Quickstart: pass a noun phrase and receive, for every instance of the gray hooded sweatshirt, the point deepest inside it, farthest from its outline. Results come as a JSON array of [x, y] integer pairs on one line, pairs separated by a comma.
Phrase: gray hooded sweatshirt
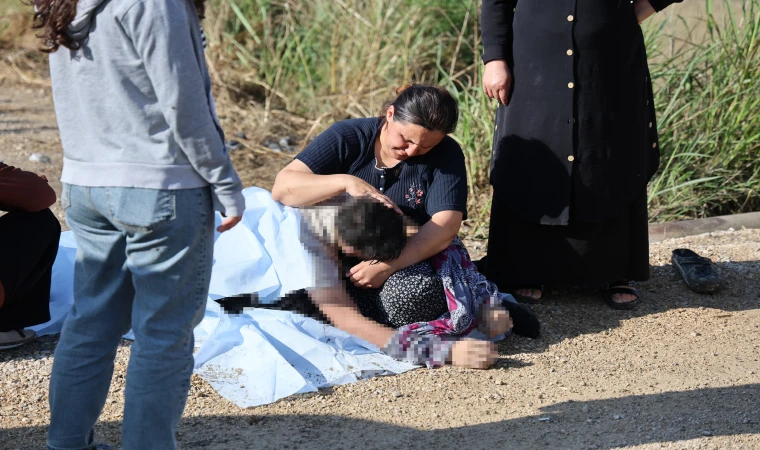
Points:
[[134, 103]]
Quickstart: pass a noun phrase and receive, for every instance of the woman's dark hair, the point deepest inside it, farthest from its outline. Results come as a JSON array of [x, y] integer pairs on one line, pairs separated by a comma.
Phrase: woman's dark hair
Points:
[[53, 17], [429, 106], [371, 228]]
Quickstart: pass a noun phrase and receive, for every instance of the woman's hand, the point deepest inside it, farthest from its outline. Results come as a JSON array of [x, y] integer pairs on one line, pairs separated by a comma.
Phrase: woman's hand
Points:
[[497, 80], [643, 10], [368, 275], [474, 354], [356, 187]]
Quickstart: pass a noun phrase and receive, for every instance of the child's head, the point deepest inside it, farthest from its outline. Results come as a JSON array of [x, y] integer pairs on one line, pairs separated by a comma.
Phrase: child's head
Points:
[[370, 230]]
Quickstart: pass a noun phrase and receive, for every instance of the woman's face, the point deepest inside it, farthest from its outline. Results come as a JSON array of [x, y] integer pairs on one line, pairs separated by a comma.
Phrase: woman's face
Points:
[[402, 141]]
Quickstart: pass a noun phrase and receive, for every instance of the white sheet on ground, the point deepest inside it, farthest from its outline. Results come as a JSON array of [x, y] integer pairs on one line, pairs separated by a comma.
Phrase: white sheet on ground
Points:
[[259, 356]]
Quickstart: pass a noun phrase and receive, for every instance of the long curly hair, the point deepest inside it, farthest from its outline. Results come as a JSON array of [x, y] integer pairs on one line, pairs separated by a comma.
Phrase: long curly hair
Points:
[[53, 17]]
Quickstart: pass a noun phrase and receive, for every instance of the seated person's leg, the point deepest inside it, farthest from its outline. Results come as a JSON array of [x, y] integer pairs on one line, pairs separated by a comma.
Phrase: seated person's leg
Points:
[[413, 294], [28, 247], [416, 294]]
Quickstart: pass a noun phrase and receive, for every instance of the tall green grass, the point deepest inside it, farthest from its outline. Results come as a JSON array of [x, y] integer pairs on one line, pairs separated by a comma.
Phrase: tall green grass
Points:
[[343, 58], [336, 56], [708, 103]]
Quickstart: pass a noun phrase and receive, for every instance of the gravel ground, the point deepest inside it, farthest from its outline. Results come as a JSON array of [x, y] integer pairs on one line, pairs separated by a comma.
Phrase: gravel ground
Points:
[[682, 372]]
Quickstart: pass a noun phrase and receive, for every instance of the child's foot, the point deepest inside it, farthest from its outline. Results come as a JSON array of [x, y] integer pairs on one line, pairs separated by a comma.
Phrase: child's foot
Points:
[[528, 293]]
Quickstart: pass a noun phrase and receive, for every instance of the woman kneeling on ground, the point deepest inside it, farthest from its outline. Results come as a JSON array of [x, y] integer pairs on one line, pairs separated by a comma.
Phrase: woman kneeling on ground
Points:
[[406, 161]]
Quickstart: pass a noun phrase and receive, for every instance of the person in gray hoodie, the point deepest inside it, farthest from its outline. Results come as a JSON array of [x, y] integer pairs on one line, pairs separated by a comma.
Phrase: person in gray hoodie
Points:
[[144, 168]]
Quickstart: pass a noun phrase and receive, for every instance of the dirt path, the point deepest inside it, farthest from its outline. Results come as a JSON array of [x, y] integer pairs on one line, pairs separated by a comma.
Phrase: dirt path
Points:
[[681, 372]]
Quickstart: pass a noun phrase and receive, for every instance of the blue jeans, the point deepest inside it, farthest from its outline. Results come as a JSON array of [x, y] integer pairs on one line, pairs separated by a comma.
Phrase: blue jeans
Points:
[[143, 261]]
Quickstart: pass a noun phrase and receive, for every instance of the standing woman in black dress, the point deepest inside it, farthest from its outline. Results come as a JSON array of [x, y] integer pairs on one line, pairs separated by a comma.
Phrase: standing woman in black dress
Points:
[[575, 144]]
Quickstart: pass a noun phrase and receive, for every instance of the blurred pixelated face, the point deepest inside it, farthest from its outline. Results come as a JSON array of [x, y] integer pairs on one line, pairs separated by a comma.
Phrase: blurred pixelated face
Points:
[[402, 140], [350, 251]]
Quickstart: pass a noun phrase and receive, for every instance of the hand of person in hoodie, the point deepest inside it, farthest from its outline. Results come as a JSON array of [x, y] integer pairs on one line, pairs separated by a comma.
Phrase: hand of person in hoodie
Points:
[[228, 223]]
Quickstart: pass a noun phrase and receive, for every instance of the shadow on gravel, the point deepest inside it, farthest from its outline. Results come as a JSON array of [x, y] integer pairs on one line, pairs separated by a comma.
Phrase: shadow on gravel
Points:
[[603, 424], [565, 315]]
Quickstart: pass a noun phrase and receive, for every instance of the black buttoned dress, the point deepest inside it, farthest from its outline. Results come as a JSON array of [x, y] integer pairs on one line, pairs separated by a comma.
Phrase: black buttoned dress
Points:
[[576, 145]]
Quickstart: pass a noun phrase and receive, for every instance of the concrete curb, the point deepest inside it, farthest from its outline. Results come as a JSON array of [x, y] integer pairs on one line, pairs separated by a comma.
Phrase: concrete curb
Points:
[[669, 230]]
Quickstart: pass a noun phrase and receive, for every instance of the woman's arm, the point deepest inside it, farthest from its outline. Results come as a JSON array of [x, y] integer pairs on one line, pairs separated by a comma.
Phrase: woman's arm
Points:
[[496, 22], [296, 185], [434, 237], [496, 28]]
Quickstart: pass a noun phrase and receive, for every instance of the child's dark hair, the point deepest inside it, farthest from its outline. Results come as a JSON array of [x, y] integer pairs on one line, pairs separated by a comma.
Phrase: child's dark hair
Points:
[[429, 106], [375, 231]]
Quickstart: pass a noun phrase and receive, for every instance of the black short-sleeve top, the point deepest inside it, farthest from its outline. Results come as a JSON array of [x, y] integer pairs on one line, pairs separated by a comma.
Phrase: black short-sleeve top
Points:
[[421, 185]]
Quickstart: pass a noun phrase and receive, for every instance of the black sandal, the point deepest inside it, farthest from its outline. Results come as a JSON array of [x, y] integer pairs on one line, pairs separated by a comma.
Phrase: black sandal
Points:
[[526, 298], [617, 288]]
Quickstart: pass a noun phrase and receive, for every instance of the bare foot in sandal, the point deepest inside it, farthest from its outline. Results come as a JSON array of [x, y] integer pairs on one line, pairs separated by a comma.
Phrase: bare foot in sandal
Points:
[[623, 298], [535, 294], [623, 295], [528, 293]]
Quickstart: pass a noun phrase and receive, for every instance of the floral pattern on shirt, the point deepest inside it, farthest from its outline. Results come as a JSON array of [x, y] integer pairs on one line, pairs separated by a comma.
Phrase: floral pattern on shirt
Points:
[[414, 196]]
